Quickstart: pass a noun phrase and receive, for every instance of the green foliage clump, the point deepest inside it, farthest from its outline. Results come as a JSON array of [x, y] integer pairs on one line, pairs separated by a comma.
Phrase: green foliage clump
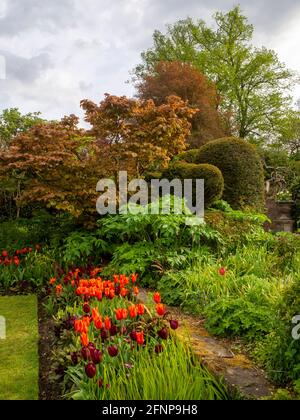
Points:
[[280, 351], [241, 168], [212, 176]]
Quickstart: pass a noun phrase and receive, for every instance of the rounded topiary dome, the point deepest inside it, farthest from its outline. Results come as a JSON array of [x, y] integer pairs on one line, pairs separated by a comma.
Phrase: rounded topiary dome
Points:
[[213, 179], [241, 168]]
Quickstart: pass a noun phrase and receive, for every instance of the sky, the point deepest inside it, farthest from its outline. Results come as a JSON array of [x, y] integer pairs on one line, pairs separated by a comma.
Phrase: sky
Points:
[[53, 53]]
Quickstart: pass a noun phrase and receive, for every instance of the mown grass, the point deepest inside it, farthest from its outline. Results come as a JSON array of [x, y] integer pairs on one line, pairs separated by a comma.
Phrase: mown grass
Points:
[[19, 351]]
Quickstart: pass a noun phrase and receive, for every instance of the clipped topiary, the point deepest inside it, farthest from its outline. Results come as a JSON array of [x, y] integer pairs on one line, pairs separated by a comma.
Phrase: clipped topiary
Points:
[[241, 167], [213, 179]]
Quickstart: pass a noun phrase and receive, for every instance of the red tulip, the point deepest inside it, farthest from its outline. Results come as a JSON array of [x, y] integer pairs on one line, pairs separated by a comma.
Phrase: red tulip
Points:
[[222, 271], [4, 253], [156, 297], [140, 338]]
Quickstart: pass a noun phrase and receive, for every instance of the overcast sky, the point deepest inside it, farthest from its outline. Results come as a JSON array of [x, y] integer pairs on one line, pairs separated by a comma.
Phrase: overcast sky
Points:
[[58, 52]]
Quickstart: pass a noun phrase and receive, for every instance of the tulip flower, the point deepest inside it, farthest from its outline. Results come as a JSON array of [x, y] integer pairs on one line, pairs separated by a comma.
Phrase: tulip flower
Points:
[[96, 356], [74, 358], [107, 323], [59, 289], [140, 309], [140, 337], [4, 253], [158, 348], [113, 330], [160, 309], [98, 323], [136, 290], [85, 353], [86, 308], [174, 324], [90, 370], [222, 271], [113, 351], [134, 278], [84, 339], [132, 311], [133, 335], [156, 297], [163, 333]]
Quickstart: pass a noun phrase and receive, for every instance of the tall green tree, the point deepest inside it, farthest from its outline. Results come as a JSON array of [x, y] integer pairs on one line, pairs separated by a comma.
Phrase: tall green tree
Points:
[[253, 84]]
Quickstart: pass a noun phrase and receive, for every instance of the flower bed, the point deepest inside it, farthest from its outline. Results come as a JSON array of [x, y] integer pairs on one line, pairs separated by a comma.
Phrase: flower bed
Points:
[[111, 346]]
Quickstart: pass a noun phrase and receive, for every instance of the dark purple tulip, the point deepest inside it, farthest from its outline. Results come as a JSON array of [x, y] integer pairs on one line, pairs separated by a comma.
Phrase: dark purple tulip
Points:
[[86, 308], [85, 352], [113, 330], [96, 356], [159, 348], [90, 370], [163, 333], [113, 351], [133, 335], [104, 334], [74, 358], [123, 330], [174, 324], [100, 383]]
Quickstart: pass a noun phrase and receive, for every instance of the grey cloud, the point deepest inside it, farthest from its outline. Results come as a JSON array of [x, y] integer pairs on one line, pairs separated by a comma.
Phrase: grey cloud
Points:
[[45, 15], [26, 70]]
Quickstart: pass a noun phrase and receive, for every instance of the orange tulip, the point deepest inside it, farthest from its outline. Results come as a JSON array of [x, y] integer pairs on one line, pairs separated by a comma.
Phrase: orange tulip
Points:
[[52, 280], [107, 323], [123, 292], [59, 289], [140, 309], [84, 339], [136, 290], [119, 314], [134, 278], [160, 309], [132, 311], [98, 323]]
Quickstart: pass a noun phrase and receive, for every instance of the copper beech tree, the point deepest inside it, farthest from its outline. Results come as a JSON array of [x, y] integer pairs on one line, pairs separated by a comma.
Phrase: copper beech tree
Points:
[[184, 80], [139, 135], [58, 165]]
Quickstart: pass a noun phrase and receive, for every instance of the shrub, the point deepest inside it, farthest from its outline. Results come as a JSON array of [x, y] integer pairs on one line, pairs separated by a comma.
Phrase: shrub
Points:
[[213, 178], [241, 167], [280, 352]]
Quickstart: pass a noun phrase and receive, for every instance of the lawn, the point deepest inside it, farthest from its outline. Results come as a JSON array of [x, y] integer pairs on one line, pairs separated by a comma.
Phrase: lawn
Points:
[[19, 351]]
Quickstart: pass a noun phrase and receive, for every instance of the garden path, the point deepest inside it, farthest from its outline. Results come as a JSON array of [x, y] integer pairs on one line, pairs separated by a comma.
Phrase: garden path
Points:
[[222, 357]]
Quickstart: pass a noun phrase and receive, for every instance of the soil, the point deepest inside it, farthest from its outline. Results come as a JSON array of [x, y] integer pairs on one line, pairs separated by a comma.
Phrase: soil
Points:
[[48, 390]]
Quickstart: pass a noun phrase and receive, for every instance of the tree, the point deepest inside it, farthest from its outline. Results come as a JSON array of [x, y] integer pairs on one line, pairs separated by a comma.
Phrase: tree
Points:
[[138, 135], [252, 82], [289, 138], [184, 80], [53, 164], [12, 122]]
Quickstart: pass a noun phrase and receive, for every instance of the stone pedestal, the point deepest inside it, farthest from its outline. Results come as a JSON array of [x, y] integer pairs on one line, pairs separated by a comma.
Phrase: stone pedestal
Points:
[[281, 215]]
